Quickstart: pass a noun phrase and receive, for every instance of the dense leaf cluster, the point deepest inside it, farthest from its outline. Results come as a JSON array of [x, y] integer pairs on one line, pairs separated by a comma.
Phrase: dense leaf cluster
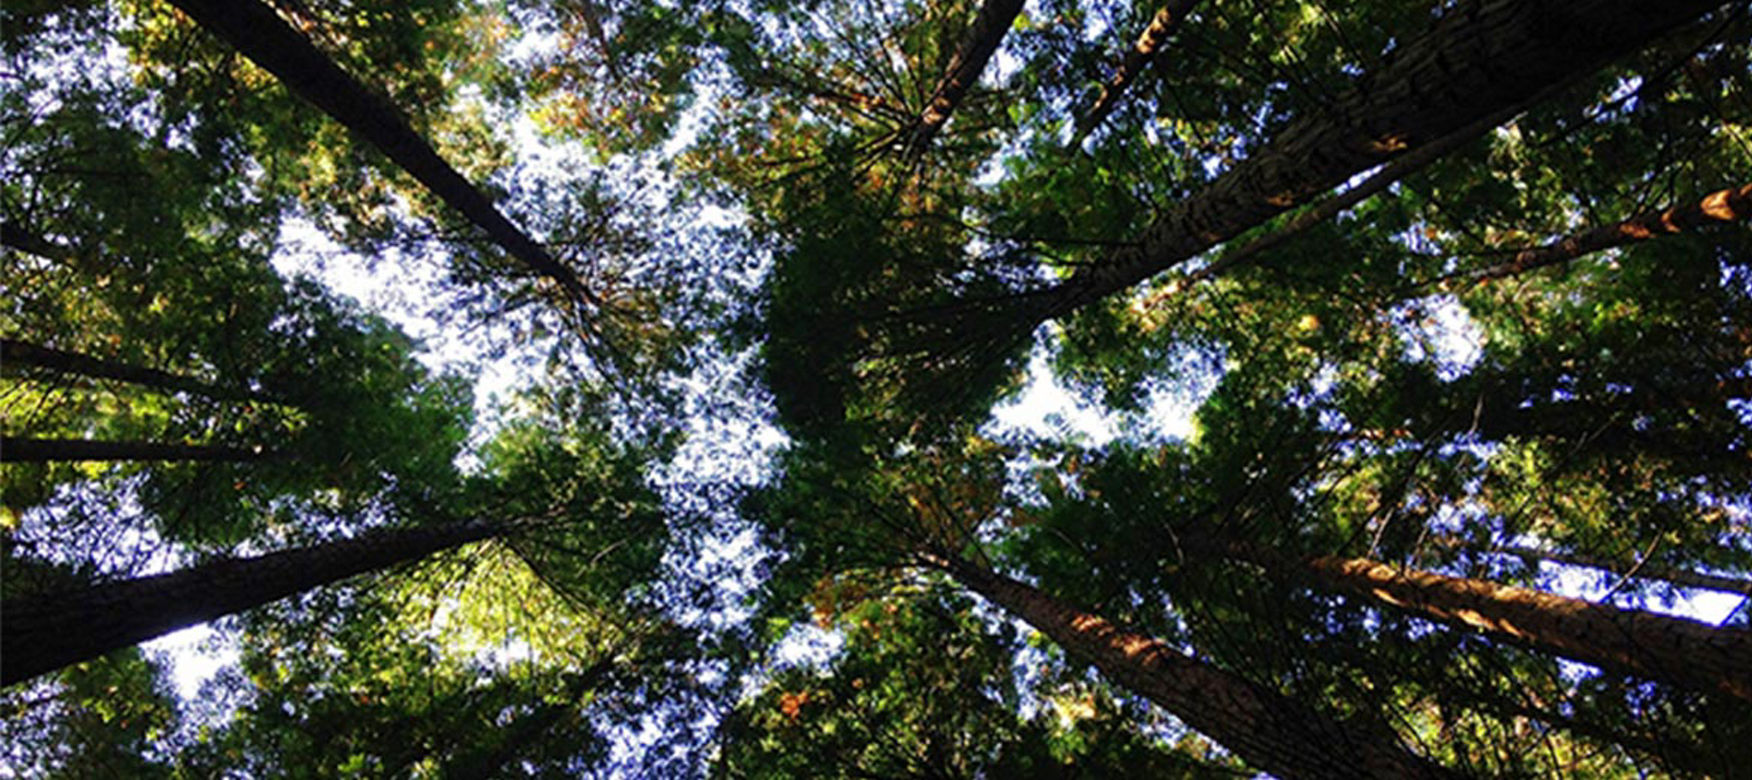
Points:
[[1406, 350]]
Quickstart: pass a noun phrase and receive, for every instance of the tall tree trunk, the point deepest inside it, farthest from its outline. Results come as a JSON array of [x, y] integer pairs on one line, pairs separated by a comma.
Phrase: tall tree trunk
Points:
[[1479, 58], [1676, 650], [1733, 204], [22, 450], [982, 41], [1271, 732], [1388, 175], [1606, 425], [1685, 577], [257, 32], [19, 353], [1162, 26], [42, 634]]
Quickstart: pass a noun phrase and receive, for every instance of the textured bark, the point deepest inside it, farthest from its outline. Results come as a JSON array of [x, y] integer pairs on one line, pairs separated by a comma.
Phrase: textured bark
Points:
[[1685, 577], [1479, 58], [260, 34], [19, 353], [1387, 176], [42, 634], [1721, 207], [23, 450], [1676, 650], [1268, 730], [1162, 26], [982, 41]]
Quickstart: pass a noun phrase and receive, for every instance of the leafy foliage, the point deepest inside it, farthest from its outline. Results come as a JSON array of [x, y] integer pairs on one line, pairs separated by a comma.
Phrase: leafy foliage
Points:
[[1419, 366]]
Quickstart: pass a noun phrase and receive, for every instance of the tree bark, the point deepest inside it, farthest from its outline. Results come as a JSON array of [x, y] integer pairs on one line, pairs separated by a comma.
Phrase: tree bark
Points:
[[14, 353], [42, 634], [1271, 732], [1675, 650], [1479, 58], [23, 450], [969, 61], [1733, 204], [1162, 26], [1389, 174], [257, 32]]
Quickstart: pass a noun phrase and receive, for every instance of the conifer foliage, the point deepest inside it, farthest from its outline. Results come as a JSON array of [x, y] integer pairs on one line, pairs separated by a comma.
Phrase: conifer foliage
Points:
[[1403, 354]]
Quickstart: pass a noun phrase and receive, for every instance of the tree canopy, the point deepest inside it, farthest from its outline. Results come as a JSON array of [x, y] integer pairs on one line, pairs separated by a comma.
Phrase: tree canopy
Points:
[[934, 389]]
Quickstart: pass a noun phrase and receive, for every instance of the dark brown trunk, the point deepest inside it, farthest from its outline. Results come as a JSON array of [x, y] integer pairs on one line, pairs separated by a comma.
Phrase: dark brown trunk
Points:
[[1733, 204], [1142, 53], [21, 450], [1387, 176], [18, 353], [1270, 731], [1480, 58], [260, 34], [1606, 426], [982, 41], [1676, 650], [42, 634]]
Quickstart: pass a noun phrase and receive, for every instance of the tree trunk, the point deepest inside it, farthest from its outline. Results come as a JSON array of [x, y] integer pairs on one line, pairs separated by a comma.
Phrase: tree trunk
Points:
[[260, 34], [16, 353], [1479, 58], [1161, 27], [42, 634], [21, 450], [1733, 204], [1270, 731], [1685, 577], [1606, 426], [1676, 650], [982, 41], [1388, 175]]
